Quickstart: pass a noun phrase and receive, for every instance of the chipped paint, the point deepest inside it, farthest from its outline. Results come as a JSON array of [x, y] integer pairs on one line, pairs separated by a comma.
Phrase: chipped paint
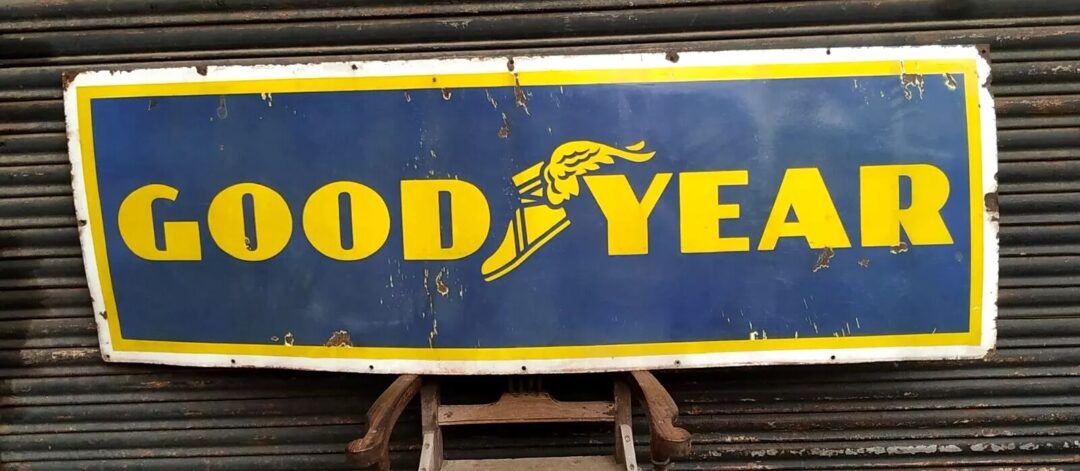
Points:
[[340, 338], [950, 81], [223, 108], [440, 285], [504, 131], [992, 207], [823, 259], [911, 81]]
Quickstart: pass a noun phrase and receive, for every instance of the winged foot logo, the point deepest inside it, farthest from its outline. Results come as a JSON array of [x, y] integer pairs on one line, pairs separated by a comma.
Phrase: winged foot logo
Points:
[[542, 190]]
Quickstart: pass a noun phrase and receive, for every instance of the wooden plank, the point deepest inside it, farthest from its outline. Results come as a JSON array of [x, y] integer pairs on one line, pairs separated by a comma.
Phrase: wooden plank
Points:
[[522, 407]]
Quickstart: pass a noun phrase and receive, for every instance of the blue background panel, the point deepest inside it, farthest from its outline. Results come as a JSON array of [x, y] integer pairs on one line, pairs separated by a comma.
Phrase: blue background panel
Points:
[[570, 292]]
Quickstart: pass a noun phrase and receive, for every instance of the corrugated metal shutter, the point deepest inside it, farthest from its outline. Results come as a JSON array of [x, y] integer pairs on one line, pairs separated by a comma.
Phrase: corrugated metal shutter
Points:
[[61, 407]]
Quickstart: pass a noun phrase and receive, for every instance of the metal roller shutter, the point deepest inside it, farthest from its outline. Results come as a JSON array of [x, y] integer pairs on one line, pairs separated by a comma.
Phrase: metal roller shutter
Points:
[[61, 407]]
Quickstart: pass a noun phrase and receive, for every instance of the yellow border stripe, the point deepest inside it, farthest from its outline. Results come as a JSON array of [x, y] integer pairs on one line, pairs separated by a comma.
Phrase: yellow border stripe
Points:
[[965, 68]]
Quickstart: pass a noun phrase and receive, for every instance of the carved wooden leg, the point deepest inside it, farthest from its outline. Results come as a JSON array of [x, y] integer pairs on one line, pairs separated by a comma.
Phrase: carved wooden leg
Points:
[[667, 441], [374, 448]]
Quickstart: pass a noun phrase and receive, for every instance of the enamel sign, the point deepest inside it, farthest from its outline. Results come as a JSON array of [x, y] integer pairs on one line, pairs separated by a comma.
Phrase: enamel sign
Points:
[[542, 214]]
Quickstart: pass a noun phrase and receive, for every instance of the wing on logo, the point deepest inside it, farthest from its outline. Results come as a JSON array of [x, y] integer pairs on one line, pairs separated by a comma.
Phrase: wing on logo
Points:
[[542, 190]]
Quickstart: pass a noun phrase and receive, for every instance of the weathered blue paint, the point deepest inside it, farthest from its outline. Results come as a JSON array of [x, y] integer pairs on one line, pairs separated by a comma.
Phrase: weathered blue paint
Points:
[[570, 292]]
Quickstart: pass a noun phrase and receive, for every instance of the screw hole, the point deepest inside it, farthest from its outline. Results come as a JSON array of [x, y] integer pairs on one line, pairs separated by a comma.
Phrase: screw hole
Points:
[[523, 368], [832, 357]]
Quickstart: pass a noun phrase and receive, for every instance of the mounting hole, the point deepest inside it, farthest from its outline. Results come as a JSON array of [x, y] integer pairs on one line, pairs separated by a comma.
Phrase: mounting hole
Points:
[[233, 361], [371, 367], [678, 362], [523, 368], [832, 357]]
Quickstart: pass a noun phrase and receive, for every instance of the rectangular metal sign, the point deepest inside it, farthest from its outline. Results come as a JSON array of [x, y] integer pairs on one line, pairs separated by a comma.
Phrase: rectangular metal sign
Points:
[[542, 214]]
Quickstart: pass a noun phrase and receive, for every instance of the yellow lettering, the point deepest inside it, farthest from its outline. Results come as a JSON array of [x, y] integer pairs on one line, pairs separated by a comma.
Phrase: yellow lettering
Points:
[[272, 222], [136, 223], [700, 211], [627, 218], [882, 215], [370, 220], [421, 225], [803, 191]]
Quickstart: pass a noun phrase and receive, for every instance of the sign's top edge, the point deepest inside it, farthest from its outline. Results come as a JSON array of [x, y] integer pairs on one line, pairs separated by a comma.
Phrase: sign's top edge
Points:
[[520, 64]]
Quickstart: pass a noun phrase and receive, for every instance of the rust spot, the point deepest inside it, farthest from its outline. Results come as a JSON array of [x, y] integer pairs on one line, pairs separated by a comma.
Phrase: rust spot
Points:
[[340, 338], [289, 339], [823, 259], [201, 70], [82, 222], [992, 207], [510, 64], [354, 67], [66, 78], [441, 285], [446, 94], [504, 131], [103, 314], [672, 56], [899, 248], [520, 99], [864, 262]]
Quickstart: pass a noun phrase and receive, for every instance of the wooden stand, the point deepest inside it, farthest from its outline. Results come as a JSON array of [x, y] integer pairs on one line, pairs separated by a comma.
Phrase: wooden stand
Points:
[[667, 441]]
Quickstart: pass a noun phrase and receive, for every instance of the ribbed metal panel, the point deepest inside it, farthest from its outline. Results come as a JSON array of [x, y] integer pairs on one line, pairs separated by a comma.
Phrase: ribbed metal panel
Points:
[[62, 408]]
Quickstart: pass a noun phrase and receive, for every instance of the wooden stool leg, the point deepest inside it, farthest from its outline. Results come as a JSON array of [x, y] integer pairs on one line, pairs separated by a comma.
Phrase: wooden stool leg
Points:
[[623, 449], [431, 455], [374, 448], [666, 440]]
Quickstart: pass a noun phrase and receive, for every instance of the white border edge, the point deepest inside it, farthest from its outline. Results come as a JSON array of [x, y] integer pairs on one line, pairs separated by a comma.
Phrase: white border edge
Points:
[[82, 214]]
